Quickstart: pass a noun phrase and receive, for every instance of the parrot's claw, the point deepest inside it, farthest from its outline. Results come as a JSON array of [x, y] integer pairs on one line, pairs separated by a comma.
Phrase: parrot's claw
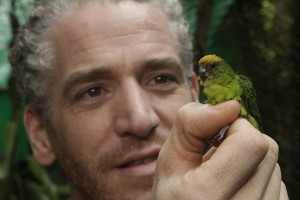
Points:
[[216, 140]]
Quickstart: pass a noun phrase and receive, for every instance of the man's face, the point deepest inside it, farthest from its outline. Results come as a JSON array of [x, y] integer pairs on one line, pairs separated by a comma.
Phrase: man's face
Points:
[[117, 87]]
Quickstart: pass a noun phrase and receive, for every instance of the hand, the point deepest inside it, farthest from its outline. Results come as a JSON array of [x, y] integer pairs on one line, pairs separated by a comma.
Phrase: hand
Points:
[[243, 166]]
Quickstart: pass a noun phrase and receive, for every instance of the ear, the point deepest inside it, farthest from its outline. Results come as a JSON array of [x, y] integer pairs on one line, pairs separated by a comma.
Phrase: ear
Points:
[[195, 88], [38, 137]]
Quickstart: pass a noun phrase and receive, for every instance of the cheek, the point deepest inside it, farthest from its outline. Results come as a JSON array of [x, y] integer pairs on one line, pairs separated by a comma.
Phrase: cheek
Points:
[[167, 108], [82, 134]]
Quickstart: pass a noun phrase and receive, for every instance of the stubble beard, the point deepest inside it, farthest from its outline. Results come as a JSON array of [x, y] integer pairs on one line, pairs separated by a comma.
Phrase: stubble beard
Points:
[[94, 183]]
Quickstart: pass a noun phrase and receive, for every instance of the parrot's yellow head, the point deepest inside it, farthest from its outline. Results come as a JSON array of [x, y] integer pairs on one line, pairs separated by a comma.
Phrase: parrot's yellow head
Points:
[[207, 65]]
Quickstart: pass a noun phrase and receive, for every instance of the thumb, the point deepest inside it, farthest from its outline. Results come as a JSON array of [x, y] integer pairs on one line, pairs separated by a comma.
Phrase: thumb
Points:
[[195, 123]]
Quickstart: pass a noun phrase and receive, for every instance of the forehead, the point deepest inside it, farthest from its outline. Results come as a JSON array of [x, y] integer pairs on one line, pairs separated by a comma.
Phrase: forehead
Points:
[[111, 20], [106, 27]]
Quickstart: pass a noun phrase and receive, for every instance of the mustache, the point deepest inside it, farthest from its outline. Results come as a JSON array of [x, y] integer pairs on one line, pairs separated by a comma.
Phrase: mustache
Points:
[[129, 145]]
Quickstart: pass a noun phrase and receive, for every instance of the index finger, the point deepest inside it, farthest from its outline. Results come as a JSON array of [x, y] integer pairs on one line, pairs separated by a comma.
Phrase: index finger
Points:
[[236, 159]]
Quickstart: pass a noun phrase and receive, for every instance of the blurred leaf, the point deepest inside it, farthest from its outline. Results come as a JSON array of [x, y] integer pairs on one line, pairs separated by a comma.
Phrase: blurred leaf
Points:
[[219, 12], [10, 134], [22, 9], [190, 9], [5, 38], [42, 176], [5, 26], [36, 191]]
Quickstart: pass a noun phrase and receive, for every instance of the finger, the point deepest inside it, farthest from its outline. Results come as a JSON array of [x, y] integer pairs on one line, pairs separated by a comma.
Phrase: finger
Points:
[[283, 192], [265, 182], [194, 124], [182, 150], [274, 185], [273, 188], [235, 160], [209, 154]]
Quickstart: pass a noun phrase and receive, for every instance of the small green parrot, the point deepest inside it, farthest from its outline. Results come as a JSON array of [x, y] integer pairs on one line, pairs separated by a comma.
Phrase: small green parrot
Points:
[[220, 83]]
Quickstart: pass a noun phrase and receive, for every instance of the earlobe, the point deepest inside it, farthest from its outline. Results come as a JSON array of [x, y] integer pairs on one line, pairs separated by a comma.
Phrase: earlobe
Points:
[[195, 88], [38, 137]]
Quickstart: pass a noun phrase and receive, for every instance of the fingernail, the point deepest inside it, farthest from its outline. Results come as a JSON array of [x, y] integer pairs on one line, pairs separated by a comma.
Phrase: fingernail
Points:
[[223, 105]]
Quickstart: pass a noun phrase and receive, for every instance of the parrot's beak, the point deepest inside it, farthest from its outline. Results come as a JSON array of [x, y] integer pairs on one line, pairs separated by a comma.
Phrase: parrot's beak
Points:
[[202, 73]]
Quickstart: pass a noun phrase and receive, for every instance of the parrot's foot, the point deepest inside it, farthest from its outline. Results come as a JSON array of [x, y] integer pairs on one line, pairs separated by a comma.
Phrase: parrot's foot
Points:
[[216, 140]]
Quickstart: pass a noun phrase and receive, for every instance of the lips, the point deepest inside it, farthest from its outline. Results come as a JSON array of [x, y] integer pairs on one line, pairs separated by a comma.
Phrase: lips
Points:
[[139, 164]]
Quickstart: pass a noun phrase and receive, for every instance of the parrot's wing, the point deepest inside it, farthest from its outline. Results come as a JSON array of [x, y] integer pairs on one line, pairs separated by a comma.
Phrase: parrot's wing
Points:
[[248, 98]]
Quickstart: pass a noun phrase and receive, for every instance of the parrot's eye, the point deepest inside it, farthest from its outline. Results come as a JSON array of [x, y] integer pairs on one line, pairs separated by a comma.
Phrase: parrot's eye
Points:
[[212, 65]]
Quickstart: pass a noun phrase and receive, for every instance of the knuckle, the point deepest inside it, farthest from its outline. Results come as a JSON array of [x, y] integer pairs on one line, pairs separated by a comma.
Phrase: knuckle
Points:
[[187, 114], [273, 147], [262, 147], [184, 112], [277, 171], [255, 142]]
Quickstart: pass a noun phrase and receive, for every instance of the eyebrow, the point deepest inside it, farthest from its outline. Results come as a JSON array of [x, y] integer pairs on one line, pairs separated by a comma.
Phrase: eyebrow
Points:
[[164, 63], [81, 77]]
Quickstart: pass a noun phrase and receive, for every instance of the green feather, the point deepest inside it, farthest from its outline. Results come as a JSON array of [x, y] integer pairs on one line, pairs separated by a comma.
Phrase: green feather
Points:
[[220, 83]]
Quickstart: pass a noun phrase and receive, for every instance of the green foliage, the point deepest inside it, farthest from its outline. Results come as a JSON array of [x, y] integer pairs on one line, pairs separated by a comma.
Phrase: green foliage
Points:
[[7, 159], [25, 178], [190, 9], [261, 39], [12, 13], [219, 12], [5, 37]]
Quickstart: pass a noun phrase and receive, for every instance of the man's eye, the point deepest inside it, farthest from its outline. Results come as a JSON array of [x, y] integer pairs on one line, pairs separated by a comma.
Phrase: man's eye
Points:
[[94, 92], [161, 79], [89, 93]]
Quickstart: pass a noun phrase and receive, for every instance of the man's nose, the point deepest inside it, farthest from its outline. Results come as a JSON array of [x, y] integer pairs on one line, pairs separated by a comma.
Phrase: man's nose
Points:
[[136, 113]]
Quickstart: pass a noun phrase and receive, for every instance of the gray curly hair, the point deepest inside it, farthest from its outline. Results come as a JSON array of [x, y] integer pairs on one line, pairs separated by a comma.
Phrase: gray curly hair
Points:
[[31, 55]]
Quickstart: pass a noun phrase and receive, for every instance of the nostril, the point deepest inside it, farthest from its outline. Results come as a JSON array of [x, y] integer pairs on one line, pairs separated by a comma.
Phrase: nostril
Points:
[[139, 123], [138, 131], [136, 112]]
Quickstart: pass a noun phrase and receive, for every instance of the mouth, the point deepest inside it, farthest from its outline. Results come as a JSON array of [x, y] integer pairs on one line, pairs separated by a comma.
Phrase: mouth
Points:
[[139, 165], [139, 162]]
